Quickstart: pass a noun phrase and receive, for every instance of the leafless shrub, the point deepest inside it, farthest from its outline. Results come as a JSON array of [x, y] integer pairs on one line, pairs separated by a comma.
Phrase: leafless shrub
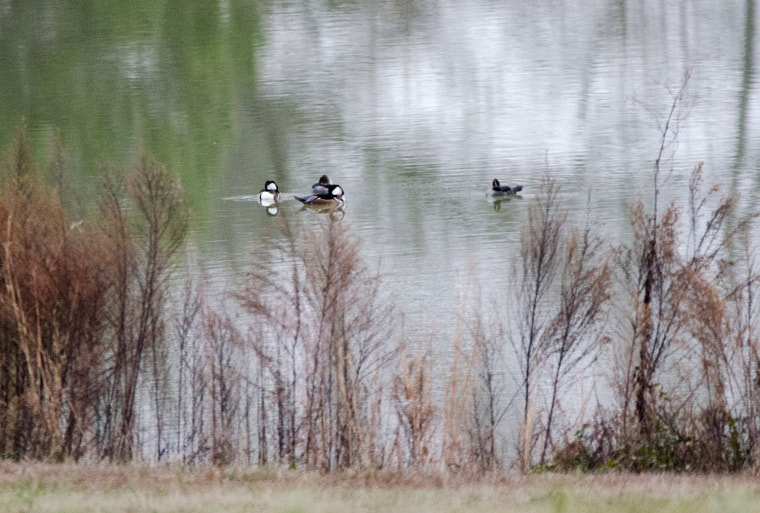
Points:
[[686, 315], [540, 256], [224, 383], [52, 291], [456, 410], [564, 290], [475, 402], [141, 249], [189, 375], [321, 322], [412, 397], [677, 303], [741, 364], [487, 404], [574, 332], [277, 300], [688, 319]]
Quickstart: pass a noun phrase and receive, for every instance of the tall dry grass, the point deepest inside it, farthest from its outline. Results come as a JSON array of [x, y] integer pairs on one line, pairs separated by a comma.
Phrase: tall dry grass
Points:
[[141, 245], [685, 310], [321, 334], [562, 300], [53, 290], [303, 365], [81, 307]]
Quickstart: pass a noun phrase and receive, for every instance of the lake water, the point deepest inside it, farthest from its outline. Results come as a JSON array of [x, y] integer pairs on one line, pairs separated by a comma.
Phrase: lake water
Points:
[[412, 106]]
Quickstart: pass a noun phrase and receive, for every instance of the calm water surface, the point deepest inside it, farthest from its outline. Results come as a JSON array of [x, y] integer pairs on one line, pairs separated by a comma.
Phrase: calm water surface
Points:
[[412, 106]]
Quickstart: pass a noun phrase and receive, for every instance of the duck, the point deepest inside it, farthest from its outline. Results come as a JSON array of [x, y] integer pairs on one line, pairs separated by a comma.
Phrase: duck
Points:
[[333, 198], [322, 186], [270, 194], [503, 190]]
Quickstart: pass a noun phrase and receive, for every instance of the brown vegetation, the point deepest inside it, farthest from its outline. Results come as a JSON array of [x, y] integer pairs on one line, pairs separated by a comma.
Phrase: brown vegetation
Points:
[[303, 366], [82, 307], [321, 337], [686, 312]]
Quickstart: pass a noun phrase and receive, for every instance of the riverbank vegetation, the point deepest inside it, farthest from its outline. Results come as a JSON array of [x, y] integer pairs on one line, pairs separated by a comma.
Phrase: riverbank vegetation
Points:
[[106, 356]]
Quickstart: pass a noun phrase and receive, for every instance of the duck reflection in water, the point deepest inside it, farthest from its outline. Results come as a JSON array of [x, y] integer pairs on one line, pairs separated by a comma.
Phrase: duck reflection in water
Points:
[[497, 203]]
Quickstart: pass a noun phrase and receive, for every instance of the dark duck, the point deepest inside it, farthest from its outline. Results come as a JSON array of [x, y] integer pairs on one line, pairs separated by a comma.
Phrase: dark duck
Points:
[[333, 197], [498, 190]]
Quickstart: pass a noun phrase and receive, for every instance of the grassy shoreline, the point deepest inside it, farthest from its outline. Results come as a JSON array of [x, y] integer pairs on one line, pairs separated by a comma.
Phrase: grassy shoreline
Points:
[[26, 487]]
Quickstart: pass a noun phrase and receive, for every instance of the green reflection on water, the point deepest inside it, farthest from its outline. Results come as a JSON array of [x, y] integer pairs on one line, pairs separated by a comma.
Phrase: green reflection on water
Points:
[[166, 76]]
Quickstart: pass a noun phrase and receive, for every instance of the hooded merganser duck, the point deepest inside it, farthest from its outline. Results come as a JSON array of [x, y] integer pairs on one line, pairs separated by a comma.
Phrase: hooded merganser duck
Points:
[[270, 194], [333, 198], [503, 190], [322, 186]]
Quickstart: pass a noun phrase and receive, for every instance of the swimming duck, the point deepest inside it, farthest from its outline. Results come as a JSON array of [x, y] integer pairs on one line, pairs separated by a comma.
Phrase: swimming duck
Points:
[[503, 190], [270, 194], [332, 198], [322, 186]]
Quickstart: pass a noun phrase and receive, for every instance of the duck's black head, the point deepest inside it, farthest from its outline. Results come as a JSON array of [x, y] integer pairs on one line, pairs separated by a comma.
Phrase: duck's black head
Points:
[[324, 180], [495, 184], [270, 186]]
